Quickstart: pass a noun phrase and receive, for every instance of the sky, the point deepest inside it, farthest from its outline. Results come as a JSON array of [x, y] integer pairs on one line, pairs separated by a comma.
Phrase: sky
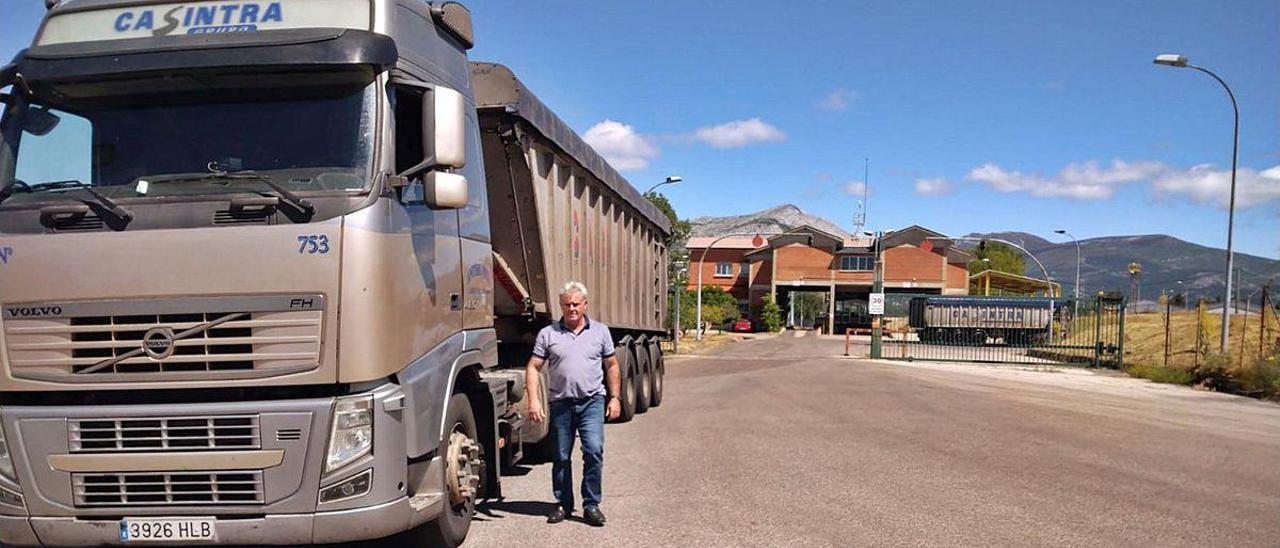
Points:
[[967, 116]]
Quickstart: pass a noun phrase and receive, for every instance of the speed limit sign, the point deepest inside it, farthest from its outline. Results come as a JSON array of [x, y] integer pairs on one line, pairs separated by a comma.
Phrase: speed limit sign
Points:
[[876, 304]]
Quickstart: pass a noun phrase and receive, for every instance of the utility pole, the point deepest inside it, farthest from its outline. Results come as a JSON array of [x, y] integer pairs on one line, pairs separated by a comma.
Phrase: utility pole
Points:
[[877, 286]]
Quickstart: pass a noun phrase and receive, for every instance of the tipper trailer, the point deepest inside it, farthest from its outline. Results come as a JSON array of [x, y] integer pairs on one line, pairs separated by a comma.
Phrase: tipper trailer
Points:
[[270, 272]]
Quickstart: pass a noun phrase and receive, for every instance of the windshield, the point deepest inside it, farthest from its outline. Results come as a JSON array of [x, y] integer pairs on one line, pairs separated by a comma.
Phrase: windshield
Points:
[[307, 132]]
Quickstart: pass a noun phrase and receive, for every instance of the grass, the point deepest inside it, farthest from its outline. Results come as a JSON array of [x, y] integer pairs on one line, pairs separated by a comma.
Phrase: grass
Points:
[[1161, 374], [1250, 372]]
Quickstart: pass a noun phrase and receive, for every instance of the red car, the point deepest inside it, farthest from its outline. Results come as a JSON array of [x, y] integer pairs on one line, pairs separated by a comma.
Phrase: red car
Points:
[[743, 325]]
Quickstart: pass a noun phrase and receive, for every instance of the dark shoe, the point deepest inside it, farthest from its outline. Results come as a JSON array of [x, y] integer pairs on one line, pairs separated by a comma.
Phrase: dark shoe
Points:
[[556, 516], [593, 516]]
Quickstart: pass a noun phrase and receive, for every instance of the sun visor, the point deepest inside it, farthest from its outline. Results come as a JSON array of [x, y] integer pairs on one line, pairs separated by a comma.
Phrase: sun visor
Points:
[[309, 47], [92, 23]]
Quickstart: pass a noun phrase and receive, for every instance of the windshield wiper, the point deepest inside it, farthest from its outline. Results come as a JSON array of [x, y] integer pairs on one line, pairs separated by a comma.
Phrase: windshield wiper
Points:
[[292, 199], [107, 204]]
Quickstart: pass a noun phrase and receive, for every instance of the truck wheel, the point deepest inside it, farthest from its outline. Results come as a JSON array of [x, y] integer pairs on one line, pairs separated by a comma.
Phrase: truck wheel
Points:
[[655, 377], [463, 469], [644, 372], [626, 362]]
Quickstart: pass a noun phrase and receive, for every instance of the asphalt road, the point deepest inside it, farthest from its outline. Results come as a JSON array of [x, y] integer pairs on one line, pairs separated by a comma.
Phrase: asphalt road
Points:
[[781, 442]]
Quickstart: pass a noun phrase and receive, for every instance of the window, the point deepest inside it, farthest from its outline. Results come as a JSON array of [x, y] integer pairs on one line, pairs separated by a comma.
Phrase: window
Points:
[[724, 270], [409, 151], [857, 263], [746, 270]]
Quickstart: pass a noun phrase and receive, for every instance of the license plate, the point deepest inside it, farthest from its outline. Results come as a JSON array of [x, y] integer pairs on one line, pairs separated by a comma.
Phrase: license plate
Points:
[[168, 529]]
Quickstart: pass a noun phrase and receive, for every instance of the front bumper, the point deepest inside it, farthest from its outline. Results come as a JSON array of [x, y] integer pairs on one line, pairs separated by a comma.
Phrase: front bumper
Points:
[[282, 529], [288, 512]]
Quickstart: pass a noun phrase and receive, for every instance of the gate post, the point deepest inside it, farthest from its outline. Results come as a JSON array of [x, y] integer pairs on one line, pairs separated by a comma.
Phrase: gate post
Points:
[[1120, 354], [1097, 331]]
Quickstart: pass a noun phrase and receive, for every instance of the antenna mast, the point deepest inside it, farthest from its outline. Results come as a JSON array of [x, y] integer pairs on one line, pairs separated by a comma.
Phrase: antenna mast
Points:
[[860, 217]]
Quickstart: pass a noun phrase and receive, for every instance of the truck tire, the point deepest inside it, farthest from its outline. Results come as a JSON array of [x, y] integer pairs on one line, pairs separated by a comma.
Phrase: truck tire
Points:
[[644, 372], [626, 365], [451, 528], [655, 377]]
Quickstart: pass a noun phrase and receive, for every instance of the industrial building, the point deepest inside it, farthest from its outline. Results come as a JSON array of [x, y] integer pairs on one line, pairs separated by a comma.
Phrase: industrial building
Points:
[[805, 259]]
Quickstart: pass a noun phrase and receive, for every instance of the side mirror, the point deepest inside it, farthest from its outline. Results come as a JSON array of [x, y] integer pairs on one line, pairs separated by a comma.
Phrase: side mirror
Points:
[[445, 190], [39, 121], [444, 128]]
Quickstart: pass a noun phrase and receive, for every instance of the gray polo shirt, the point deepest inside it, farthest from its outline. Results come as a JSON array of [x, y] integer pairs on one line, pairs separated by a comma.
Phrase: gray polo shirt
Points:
[[574, 361]]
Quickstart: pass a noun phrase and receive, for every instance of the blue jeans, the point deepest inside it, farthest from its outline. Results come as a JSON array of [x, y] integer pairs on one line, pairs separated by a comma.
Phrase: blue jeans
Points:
[[586, 416]]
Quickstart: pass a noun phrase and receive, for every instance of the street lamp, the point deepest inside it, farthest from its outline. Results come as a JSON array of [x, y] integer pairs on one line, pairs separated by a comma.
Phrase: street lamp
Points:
[[1180, 61], [671, 180], [1075, 312]]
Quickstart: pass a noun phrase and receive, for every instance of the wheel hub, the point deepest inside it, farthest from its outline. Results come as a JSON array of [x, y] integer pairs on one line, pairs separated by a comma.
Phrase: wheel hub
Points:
[[463, 466]]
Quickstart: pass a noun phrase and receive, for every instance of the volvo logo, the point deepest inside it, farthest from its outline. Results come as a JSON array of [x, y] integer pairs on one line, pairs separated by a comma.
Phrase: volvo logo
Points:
[[158, 342], [33, 311]]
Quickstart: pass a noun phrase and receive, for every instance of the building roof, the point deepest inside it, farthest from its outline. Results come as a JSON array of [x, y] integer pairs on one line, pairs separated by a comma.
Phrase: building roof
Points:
[[728, 242], [1013, 283]]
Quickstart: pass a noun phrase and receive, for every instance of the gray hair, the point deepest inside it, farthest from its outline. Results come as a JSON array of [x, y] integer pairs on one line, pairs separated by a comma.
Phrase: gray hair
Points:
[[574, 287]]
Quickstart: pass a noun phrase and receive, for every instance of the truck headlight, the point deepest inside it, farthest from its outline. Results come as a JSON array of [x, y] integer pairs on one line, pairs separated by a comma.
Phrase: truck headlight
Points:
[[351, 436], [6, 460]]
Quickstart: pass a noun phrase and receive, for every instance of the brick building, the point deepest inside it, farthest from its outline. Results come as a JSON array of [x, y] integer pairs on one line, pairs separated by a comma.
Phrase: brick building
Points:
[[805, 259]]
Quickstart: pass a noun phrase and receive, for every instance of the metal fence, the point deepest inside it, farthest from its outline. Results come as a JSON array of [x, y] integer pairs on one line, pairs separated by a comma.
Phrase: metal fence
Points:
[[1009, 330], [1182, 336]]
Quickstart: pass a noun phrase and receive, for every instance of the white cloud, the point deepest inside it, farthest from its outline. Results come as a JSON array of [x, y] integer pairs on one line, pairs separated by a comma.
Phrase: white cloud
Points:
[[739, 133], [854, 188], [838, 100], [1086, 181], [933, 187], [619, 143], [1207, 185]]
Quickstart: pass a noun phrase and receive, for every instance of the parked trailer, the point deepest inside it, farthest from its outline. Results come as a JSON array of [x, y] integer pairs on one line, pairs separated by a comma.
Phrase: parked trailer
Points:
[[290, 293], [975, 320]]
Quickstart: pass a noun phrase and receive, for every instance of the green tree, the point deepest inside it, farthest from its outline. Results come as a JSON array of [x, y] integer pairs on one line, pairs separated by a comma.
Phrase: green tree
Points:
[[770, 315], [677, 258], [1000, 257]]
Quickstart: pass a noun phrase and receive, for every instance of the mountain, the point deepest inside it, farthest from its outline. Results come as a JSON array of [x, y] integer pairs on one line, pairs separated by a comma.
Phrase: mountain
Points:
[[774, 220], [1164, 260]]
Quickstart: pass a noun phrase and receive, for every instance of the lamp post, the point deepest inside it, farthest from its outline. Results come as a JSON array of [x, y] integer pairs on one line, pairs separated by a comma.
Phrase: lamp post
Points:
[[697, 328], [671, 180], [1180, 61], [681, 272], [1075, 311]]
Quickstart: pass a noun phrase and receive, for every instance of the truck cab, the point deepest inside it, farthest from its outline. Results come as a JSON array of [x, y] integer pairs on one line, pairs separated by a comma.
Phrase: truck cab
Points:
[[246, 287]]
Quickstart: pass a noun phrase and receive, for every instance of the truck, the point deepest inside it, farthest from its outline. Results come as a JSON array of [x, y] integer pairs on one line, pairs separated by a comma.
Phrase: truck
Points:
[[1017, 321], [270, 272]]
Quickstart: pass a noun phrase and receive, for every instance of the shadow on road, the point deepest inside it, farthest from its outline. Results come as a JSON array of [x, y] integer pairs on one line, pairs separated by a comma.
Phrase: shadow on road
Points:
[[496, 509]]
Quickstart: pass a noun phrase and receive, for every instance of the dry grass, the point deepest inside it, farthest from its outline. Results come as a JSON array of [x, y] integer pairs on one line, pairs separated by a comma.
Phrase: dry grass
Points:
[[1144, 338], [1243, 369], [709, 342]]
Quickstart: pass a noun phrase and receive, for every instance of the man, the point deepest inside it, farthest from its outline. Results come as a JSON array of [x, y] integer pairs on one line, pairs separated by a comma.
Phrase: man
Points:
[[573, 350]]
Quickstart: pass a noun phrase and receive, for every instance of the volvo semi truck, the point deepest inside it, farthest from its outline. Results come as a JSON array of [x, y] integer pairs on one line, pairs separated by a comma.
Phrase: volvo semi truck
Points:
[[270, 272]]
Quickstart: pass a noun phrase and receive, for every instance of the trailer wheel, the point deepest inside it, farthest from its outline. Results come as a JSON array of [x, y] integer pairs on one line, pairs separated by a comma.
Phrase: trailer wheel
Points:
[[463, 470], [644, 374], [626, 361], [659, 370]]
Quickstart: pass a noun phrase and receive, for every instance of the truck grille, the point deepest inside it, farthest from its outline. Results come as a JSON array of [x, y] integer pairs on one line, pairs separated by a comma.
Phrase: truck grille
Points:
[[164, 434], [202, 338], [217, 343], [168, 488]]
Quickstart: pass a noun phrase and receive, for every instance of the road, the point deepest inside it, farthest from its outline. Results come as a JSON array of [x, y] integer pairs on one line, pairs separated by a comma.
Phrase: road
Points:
[[781, 442]]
